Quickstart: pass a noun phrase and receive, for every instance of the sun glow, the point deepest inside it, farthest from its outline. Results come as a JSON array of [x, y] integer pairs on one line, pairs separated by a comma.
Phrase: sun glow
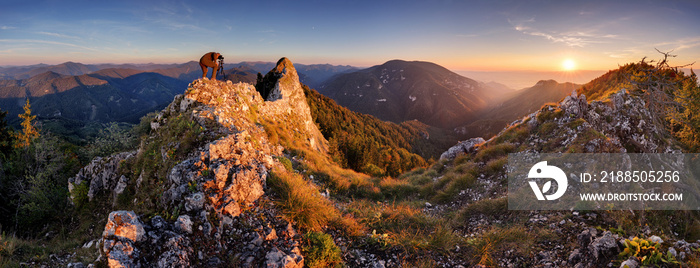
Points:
[[568, 65]]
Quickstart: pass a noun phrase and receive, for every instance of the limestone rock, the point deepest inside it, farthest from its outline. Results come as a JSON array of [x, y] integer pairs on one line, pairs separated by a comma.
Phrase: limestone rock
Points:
[[275, 258], [102, 174], [122, 232], [462, 147], [179, 253], [604, 246], [124, 225], [184, 224]]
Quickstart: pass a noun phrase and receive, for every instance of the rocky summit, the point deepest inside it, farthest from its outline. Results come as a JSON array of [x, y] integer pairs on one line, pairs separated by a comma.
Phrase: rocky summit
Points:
[[217, 191]]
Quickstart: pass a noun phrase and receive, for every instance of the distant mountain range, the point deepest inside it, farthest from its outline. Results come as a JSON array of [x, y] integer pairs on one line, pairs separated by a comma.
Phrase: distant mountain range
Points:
[[107, 95], [395, 91], [406, 90], [117, 92]]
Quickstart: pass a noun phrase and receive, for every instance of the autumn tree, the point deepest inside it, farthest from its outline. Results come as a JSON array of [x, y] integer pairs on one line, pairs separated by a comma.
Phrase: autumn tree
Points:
[[29, 132]]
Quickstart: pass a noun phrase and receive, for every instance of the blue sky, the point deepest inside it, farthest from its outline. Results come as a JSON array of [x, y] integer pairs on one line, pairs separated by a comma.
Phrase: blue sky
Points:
[[460, 35]]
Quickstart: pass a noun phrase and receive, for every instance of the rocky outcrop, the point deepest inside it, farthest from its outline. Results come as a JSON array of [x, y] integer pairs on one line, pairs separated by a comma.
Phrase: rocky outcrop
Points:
[[102, 174], [216, 209], [467, 146]]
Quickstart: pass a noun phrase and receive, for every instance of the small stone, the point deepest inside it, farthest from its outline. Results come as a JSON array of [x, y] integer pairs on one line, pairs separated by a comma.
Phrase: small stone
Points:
[[184, 224], [574, 257], [257, 240], [629, 263], [158, 222], [76, 265], [271, 236], [672, 251], [194, 202], [656, 239], [88, 244], [290, 230]]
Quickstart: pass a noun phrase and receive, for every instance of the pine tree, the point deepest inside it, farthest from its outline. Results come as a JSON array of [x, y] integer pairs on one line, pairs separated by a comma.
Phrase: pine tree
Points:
[[29, 132], [6, 135]]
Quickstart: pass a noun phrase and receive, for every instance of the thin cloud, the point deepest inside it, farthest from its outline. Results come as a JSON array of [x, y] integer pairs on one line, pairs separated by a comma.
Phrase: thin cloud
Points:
[[681, 44], [4, 27], [59, 35], [32, 41], [467, 35], [571, 39]]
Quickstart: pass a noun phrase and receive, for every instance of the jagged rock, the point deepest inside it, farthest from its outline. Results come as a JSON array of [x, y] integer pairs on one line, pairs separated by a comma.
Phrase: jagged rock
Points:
[[178, 178], [290, 232], [121, 254], [574, 106], [462, 147], [278, 259], [584, 238], [574, 257], [184, 224], [272, 235], [673, 252], [124, 225], [604, 246], [119, 189], [257, 240], [101, 174], [178, 253], [122, 232], [194, 202]]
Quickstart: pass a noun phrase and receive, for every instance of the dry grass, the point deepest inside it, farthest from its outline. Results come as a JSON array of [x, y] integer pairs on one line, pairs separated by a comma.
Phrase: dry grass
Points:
[[300, 200], [496, 241], [405, 226]]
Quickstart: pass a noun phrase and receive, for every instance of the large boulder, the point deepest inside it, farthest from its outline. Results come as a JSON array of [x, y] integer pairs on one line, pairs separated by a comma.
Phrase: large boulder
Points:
[[121, 235]]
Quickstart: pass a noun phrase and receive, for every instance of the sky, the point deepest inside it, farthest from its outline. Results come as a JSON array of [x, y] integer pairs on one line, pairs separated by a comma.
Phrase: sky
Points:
[[460, 35]]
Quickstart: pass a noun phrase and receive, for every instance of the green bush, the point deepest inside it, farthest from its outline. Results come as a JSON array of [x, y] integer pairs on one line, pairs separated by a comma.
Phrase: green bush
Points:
[[79, 194], [321, 251], [286, 163]]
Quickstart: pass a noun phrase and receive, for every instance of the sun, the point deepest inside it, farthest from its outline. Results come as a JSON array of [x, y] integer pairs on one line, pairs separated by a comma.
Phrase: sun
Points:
[[568, 65]]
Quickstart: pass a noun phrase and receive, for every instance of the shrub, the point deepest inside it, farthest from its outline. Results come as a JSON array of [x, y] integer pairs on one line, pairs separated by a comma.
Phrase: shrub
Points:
[[286, 163], [321, 251], [79, 194], [646, 252]]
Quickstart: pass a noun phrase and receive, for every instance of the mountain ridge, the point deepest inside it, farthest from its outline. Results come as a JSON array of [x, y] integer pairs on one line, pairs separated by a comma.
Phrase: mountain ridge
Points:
[[400, 91]]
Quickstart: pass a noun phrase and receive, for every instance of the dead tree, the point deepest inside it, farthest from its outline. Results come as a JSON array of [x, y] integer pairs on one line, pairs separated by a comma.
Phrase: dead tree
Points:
[[657, 84]]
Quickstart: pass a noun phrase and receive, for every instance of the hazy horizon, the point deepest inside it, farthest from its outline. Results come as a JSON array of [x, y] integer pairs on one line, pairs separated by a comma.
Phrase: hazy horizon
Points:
[[483, 35], [515, 79]]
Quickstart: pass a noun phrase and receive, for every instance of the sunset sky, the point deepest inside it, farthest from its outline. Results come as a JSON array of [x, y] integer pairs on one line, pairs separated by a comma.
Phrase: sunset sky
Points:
[[460, 35]]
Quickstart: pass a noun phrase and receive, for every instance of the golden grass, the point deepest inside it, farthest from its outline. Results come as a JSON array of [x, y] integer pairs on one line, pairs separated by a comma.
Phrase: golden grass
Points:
[[300, 200]]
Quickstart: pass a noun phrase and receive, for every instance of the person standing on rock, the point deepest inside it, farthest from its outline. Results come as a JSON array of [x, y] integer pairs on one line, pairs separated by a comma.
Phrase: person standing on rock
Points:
[[213, 60]]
